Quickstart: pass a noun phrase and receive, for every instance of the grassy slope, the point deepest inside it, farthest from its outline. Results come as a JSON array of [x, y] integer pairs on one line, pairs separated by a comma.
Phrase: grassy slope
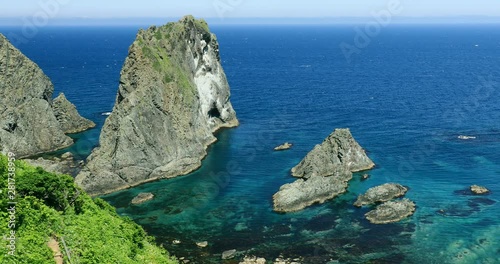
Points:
[[50, 205]]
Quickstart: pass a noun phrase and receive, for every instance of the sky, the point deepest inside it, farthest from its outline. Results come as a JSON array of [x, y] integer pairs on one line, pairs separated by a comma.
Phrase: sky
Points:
[[231, 9]]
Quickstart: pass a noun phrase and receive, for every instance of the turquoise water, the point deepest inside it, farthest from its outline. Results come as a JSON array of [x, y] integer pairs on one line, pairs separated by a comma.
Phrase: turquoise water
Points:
[[406, 98]]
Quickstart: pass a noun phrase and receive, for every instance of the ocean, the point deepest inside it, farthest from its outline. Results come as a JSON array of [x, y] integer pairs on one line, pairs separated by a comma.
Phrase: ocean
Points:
[[406, 96]]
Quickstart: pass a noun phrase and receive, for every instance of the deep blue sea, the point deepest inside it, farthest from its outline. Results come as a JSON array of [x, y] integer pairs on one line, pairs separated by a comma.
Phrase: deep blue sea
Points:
[[406, 97]]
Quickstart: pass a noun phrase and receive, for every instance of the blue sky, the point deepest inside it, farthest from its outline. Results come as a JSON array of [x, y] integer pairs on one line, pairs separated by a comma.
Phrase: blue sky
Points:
[[249, 8]]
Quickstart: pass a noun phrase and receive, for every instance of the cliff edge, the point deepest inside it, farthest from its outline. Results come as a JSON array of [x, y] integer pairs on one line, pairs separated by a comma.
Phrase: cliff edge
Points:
[[173, 95]]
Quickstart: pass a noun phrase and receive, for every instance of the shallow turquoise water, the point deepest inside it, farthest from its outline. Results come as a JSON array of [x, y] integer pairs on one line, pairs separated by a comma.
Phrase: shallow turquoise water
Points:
[[406, 98]]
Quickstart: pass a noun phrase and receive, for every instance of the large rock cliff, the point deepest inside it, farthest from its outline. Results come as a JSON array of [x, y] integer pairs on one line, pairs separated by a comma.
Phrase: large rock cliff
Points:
[[173, 95], [323, 173], [28, 124]]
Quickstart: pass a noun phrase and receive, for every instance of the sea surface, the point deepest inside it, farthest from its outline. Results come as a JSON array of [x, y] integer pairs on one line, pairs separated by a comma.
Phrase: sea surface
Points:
[[406, 96]]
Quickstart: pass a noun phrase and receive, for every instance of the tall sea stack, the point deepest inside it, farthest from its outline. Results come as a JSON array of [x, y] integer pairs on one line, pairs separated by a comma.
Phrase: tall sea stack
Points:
[[173, 95], [30, 122]]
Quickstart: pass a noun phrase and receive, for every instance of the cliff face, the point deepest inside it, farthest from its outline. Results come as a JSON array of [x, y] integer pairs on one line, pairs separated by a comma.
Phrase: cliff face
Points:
[[173, 95], [28, 124], [323, 173]]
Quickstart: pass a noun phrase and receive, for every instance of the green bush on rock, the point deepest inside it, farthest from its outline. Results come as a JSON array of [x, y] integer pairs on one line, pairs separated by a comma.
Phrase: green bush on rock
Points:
[[51, 205]]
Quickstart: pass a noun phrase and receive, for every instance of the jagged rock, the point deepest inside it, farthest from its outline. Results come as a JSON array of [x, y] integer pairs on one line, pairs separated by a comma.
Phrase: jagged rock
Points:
[[381, 193], [283, 146], [142, 198], [66, 164], [202, 244], [253, 260], [229, 254], [324, 172], [173, 95], [301, 193], [476, 189], [390, 212], [28, 125], [68, 117]]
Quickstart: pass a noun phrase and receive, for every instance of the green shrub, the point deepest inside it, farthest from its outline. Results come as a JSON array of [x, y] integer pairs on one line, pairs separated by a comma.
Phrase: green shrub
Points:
[[50, 205]]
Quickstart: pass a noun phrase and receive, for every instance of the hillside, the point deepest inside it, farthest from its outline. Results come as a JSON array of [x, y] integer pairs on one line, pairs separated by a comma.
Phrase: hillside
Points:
[[51, 207]]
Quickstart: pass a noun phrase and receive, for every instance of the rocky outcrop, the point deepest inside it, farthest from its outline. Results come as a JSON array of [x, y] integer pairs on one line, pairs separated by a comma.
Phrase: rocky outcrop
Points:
[[381, 193], [229, 254], [173, 95], [142, 198], [68, 117], [390, 212], [476, 189], [324, 172], [66, 164], [28, 125], [284, 146]]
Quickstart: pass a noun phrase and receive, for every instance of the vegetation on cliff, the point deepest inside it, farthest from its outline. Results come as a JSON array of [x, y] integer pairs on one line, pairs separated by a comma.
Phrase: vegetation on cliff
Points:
[[51, 206]]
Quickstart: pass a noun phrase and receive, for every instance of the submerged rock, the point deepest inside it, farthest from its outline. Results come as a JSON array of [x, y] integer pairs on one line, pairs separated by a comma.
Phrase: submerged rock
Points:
[[173, 95], [476, 189], [324, 172], [28, 124], [202, 244], [253, 260], [142, 198], [381, 193], [229, 254], [68, 117], [283, 146], [390, 212]]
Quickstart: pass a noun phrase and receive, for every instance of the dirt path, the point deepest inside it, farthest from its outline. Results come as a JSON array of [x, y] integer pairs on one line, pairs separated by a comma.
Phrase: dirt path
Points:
[[54, 245]]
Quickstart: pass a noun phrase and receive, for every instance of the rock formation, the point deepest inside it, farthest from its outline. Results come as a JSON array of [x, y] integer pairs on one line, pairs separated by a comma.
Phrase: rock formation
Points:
[[476, 189], [68, 117], [381, 193], [283, 146], [142, 198], [253, 260], [390, 212], [229, 254], [324, 172], [173, 95], [28, 124]]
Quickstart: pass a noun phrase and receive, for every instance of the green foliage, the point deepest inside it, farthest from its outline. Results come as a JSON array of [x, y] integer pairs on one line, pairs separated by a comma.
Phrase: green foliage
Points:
[[202, 25], [50, 205]]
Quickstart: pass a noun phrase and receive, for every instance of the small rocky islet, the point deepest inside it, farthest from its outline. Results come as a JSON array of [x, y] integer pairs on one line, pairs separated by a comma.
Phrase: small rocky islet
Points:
[[324, 172]]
